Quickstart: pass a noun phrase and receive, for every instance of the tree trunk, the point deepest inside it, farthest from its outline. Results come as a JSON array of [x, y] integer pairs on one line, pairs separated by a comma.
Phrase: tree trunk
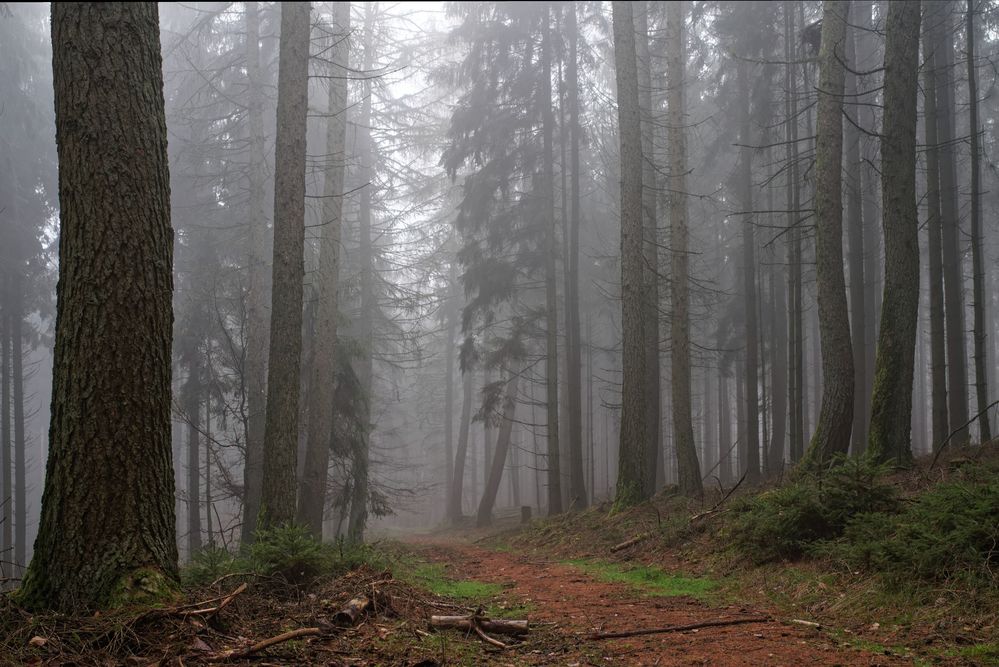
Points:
[[687, 466], [257, 325], [633, 466], [574, 361], [17, 380], [312, 493], [796, 377], [938, 358], [855, 258], [978, 267], [551, 296], [454, 508], [957, 369], [832, 431], [650, 247], [277, 505], [891, 410], [450, 351], [192, 410], [365, 323], [6, 497], [751, 462], [485, 513], [109, 438]]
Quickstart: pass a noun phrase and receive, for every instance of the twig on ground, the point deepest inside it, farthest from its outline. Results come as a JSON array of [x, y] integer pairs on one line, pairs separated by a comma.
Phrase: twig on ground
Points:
[[677, 628], [266, 643]]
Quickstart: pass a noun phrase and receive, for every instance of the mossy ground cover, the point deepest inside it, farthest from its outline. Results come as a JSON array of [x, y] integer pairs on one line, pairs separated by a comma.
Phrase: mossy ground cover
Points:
[[646, 580]]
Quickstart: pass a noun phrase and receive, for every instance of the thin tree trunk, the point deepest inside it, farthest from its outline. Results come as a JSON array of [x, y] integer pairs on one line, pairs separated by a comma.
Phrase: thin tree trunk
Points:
[[577, 483], [208, 468], [855, 258], [633, 467], [650, 247], [485, 513], [551, 296], [312, 492], [17, 380], [687, 466], [957, 369], [891, 411], [978, 267], [869, 191], [832, 431], [192, 409], [938, 353], [109, 438], [7, 497], [277, 505], [751, 462], [457, 482], [450, 351], [257, 326]]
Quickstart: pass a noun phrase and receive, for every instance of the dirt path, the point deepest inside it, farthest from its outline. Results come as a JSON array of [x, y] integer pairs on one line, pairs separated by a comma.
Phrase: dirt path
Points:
[[567, 605]]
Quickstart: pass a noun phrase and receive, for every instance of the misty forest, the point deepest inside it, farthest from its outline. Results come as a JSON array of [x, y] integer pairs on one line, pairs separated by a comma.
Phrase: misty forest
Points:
[[514, 333]]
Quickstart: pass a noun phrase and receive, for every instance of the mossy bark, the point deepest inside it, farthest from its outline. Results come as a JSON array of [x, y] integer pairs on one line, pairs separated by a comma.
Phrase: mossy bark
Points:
[[107, 532]]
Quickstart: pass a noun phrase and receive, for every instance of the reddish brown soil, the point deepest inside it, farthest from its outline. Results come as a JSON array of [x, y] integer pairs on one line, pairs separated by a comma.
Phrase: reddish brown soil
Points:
[[567, 606]]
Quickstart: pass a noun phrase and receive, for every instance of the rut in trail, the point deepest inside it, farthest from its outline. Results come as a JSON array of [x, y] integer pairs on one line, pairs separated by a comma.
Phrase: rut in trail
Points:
[[567, 605]]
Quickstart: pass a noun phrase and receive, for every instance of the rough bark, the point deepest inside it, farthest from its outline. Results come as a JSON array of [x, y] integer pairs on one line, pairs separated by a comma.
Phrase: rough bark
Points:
[[751, 461], [257, 319], [312, 494], [832, 431], [938, 350], [109, 437], [551, 296], [687, 466], [577, 482], [502, 449], [891, 410], [977, 261], [953, 274], [277, 504], [633, 468]]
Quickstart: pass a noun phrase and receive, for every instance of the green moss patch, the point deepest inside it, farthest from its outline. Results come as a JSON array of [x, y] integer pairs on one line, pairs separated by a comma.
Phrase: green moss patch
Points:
[[648, 581]]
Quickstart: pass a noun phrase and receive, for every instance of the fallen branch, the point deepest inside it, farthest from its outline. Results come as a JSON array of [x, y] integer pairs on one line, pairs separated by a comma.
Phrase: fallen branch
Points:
[[677, 628], [958, 430], [714, 510], [266, 643], [486, 638], [630, 543], [213, 611], [498, 626]]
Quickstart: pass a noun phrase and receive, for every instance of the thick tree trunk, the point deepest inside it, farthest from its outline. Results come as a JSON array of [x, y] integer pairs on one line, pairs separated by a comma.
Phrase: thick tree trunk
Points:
[[751, 462], [977, 262], [891, 410], [577, 482], [498, 462], [938, 351], [109, 439], [633, 467], [551, 296], [277, 504], [257, 294], [687, 466], [312, 493], [832, 431], [953, 274]]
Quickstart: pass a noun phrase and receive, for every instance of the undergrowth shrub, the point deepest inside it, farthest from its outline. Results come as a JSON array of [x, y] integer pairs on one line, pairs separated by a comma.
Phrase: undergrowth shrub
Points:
[[291, 554], [783, 523], [949, 533], [210, 564]]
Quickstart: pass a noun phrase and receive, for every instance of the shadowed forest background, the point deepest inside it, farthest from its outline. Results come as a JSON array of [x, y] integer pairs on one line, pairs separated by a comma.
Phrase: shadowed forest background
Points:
[[433, 263]]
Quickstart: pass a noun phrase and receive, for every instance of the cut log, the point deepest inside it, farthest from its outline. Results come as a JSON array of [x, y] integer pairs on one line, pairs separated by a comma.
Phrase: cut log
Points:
[[352, 611], [499, 626], [630, 543]]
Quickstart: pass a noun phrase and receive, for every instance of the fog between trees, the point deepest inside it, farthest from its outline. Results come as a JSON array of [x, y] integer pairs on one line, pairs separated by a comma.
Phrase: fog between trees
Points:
[[378, 267]]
